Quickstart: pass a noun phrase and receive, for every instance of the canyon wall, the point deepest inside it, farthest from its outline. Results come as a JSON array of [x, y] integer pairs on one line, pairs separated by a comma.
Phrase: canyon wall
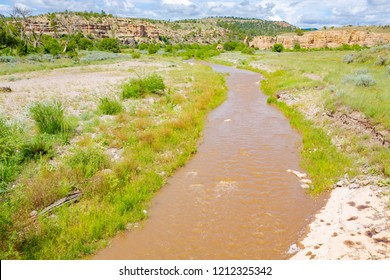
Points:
[[323, 39]]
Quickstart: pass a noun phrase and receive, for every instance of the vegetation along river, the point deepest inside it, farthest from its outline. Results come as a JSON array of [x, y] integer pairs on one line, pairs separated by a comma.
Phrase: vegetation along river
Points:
[[234, 198]]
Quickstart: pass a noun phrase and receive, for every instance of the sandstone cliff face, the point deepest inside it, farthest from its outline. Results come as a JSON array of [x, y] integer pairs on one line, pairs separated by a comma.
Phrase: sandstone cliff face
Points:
[[323, 39], [126, 30]]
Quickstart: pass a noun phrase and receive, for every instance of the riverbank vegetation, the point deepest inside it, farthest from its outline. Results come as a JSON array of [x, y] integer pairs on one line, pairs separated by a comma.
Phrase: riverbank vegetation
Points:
[[337, 100], [114, 161]]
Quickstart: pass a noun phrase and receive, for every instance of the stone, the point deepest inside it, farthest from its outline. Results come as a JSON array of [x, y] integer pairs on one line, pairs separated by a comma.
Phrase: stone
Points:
[[33, 214], [354, 186], [293, 249]]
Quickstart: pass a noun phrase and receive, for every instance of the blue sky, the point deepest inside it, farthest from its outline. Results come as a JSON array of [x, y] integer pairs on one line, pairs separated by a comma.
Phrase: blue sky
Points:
[[306, 13]]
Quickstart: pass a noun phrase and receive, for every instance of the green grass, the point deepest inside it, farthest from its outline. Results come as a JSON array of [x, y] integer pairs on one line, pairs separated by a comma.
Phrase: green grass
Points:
[[49, 117], [155, 141], [136, 88], [110, 106], [320, 157]]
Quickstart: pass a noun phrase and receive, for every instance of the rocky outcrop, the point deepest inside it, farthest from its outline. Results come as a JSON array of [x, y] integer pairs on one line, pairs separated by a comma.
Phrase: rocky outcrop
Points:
[[125, 30], [323, 39]]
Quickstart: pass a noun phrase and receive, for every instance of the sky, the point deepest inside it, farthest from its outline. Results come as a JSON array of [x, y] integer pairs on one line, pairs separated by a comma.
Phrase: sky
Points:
[[306, 13]]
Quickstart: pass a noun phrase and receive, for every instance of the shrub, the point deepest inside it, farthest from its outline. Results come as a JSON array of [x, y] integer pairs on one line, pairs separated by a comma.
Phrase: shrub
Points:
[[277, 48], [299, 32], [49, 117], [131, 89], [88, 160], [381, 61], [153, 84], [153, 48], [388, 69], [139, 87], [110, 106], [248, 50], [363, 80], [7, 59], [297, 47], [348, 58], [97, 56], [136, 55], [110, 45]]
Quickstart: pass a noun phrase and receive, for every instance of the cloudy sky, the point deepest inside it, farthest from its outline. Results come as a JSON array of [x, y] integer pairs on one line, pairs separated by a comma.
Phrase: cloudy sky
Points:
[[306, 13]]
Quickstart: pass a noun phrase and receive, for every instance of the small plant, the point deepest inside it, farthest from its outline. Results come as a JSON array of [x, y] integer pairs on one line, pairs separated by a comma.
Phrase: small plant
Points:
[[297, 47], [381, 61], [135, 55], [7, 59], [388, 69], [110, 106], [39, 146], [363, 80], [137, 88], [49, 117], [110, 45], [348, 59], [88, 160], [277, 48]]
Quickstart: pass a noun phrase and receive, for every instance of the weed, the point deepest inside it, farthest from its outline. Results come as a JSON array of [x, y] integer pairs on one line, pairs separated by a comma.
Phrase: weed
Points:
[[136, 55], [381, 61], [88, 160], [110, 106], [49, 117], [41, 145], [7, 59]]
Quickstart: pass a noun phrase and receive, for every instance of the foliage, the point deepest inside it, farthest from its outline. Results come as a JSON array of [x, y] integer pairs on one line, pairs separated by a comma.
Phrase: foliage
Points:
[[88, 57], [299, 32], [349, 58], [41, 145], [297, 47], [153, 48], [241, 28], [49, 117], [136, 88], [110, 106], [136, 55], [277, 48], [110, 45], [88, 160]]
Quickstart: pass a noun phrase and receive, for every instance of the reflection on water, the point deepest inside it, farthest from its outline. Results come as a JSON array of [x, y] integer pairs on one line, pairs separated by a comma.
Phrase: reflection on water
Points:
[[234, 199]]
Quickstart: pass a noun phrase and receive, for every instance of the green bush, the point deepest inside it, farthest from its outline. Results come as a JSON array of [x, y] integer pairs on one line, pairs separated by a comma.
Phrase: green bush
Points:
[[136, 88], [349, 58], [277, 48], [297, 47], [88, 160], [110, 106], [153, 48], [109, 45], [51, 45], [248, 50], [136, 55], [49, 117], [363, 80]]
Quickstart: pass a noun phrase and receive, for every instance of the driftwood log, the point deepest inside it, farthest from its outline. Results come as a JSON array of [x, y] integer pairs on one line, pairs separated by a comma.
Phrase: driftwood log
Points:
[[73, 197], [5, 89]]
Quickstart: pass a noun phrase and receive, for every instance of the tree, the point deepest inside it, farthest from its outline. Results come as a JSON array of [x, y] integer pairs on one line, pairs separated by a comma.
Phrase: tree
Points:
[[67, 22], [299, 32], [110, 45]]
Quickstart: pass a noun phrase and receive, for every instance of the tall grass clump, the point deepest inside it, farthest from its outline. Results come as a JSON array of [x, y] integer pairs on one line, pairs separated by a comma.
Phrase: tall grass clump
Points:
[[49, 117], [137, 88], [110, 106], [10, 141]]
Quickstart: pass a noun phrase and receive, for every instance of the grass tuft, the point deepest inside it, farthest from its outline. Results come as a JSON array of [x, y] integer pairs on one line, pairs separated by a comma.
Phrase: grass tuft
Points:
[[88, 161], [137, 88], [110, 106], [50, 117]]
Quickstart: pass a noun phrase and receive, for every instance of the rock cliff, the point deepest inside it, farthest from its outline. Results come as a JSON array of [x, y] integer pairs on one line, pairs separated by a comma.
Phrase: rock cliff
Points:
[[323, 39]]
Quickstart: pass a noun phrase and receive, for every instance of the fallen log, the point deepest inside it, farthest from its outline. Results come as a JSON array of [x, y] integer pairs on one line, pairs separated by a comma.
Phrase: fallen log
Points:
[[73, 197]]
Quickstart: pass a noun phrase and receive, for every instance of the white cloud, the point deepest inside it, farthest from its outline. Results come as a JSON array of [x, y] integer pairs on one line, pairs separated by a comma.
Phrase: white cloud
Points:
[[177, 2], [303, 13]]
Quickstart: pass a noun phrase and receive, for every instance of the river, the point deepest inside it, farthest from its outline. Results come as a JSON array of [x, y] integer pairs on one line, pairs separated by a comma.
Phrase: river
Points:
[[234, 198]]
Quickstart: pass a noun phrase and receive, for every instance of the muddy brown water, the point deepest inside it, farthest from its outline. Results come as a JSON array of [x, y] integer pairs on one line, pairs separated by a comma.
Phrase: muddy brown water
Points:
[[234, 198]]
